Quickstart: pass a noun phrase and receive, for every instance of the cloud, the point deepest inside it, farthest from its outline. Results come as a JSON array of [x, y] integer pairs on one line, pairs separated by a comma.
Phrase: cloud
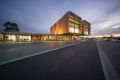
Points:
[[39, 15], [107, 22]]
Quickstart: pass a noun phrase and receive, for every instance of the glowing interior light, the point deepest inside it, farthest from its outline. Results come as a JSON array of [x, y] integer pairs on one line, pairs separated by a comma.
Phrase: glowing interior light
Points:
[[86, 32], [11, 37], [71, 30], [76, 30]]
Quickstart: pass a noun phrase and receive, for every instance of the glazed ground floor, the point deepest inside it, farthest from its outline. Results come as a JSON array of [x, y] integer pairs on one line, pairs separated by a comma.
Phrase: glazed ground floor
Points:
[[21, 37]]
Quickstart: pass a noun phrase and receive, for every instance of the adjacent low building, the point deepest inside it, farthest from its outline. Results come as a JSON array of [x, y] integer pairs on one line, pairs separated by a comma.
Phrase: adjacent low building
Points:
[[29, 37], [15, 36]]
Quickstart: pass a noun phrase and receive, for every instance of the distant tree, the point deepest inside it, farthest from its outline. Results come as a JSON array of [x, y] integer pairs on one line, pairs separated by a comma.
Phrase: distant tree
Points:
[[11, 27]]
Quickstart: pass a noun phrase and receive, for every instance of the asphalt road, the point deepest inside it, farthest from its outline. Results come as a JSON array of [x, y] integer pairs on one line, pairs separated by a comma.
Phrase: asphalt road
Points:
[[112, 51], [12, 51], [76, 62]]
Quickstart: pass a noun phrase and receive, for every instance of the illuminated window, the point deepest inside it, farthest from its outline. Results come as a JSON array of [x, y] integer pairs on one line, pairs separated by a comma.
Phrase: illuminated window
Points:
[[11, 37], [71, 30], [76, 25], [70, 19], [76, 30], [86, 29], [25, 38], [77, 22], [71, 23]]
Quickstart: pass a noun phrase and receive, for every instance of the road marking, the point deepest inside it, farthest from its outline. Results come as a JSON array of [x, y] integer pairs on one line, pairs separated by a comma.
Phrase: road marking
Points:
[[13, 60], [108, 69]]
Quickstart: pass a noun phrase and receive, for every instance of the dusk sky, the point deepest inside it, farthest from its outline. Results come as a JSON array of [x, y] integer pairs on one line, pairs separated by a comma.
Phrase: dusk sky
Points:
[[38, 16]]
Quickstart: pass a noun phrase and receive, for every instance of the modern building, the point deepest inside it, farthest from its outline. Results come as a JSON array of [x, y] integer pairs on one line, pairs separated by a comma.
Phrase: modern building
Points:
[[86, 27], [69, 23], [69, 28]]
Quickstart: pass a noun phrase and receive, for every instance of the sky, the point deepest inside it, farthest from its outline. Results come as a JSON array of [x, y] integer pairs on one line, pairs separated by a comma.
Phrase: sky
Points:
[[37, 16]]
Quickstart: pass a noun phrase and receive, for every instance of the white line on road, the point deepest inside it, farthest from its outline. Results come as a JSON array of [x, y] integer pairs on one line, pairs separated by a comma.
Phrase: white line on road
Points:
[[13, 60], [109, 71]]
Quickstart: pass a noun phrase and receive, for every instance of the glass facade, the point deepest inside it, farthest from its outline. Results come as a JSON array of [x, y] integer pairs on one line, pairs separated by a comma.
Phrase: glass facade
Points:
[[85, 27], [74, 24], [86, 30], [71, 29]]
